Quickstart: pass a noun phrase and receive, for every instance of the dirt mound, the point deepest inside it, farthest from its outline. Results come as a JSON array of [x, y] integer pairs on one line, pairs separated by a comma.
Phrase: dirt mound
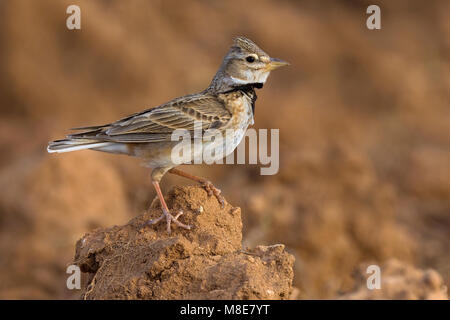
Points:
[[400, 281], [207, 262]]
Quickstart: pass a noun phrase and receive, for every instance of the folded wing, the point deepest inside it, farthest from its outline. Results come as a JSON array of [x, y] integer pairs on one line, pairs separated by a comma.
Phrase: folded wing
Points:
[[158, 124]]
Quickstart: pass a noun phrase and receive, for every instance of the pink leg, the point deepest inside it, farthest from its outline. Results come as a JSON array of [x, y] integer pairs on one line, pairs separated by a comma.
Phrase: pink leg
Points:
[[166, 213]]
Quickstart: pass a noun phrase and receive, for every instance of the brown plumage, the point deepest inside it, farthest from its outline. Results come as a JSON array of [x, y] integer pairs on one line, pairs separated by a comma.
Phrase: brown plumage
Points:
[[228, 103]]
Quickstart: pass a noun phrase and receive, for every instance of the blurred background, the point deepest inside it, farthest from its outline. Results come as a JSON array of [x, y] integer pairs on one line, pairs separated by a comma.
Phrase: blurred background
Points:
[[363, 115]]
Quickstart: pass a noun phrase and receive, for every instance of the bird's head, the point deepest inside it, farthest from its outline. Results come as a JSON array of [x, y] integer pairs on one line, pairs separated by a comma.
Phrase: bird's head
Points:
[[245, 63]]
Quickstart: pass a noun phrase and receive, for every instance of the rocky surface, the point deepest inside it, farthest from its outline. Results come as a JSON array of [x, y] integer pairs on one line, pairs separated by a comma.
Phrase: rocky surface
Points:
[[207, 262]]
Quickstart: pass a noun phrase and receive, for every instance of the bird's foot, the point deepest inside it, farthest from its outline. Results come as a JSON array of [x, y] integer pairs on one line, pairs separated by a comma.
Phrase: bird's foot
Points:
[[169, 219], [212, 190]]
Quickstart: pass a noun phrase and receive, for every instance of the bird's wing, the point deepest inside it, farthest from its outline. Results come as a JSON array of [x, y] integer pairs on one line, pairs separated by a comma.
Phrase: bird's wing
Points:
[[158, 124]]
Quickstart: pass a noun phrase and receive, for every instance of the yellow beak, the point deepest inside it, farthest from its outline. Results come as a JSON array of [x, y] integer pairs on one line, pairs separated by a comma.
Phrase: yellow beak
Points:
[[275, 63]]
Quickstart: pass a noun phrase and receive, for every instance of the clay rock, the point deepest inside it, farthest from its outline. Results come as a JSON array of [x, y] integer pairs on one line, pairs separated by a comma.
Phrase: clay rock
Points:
[[206, 262], [400, 281]]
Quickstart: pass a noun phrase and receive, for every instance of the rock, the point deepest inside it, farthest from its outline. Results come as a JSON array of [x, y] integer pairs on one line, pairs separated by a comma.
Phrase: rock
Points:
[[400, 281], [207, 262]]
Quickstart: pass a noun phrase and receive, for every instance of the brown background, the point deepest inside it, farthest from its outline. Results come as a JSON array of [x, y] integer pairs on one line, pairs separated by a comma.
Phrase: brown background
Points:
[[363, 116]]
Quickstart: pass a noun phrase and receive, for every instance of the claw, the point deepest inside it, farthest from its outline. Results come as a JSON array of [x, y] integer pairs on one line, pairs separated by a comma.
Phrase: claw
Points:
[[212, 190], [180, 213], [169, 219]]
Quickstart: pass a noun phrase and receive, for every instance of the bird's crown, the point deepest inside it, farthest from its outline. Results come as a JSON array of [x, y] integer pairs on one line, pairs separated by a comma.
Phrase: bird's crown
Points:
[[247, 45]]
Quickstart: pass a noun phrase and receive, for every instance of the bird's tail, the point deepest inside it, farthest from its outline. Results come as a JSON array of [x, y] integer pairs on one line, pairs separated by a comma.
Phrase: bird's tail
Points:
[[68, 145]]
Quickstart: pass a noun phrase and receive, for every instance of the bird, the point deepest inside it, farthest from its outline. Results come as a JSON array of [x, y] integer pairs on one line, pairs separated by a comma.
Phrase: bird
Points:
[[227, 104]]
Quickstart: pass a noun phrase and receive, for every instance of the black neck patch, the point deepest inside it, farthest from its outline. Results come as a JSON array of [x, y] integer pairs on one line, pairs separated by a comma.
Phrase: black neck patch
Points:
[[249, 89]]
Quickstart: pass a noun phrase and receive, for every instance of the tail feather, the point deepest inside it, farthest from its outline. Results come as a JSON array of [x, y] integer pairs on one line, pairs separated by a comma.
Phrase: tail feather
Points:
[[67, 145]]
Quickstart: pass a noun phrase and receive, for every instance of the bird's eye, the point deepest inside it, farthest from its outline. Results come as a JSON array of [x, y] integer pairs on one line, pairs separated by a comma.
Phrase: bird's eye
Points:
[[250, 59]]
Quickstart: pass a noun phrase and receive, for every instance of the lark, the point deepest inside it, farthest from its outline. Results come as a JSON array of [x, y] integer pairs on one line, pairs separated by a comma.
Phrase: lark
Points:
[[228, 103]]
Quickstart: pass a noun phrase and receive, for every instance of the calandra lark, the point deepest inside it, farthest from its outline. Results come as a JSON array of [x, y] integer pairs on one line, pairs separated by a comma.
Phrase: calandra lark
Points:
[[228, 103]]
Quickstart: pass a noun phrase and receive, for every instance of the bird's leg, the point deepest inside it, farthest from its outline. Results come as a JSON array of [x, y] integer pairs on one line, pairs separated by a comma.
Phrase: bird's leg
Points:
[[166, 213], [209, 187]]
